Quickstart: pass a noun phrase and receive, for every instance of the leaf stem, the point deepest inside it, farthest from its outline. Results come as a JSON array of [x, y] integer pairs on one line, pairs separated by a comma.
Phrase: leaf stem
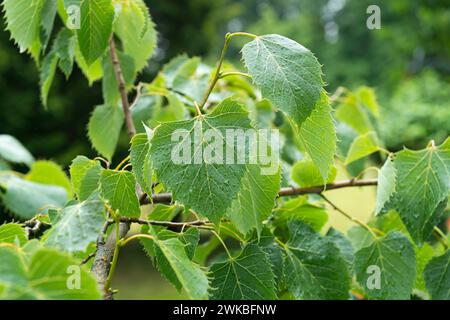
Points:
[[136, 236], [441, 237], [234, 73], [122, 162], [348, 216], [223, 244], [216, 77]]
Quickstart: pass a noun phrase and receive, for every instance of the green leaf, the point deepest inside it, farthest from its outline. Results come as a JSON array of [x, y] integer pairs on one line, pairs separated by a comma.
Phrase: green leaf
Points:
[[96, 27], [48, 172], [391, 259], [367, 97], [23, 18], [362, 146], [208, 188], [110, 88], [318, 136], [64, 47], [46, 276], [135, 27], [359, 237], [47, 75], [256, 199], [352, 113], [314, 267], [306, 174], [13, 151], [119, 188], [246, 277], [423, 257], [77, 226], [176, 266], [344, 245], [171, 69], [299, 209], [92, 72], [386, 184], [26, 199], [272, 249], [85, 175], [287, 73], [104, 128], [47, 21], [192, 79], [140, 160], [422, 188], [437, 277], [189, 238], [12, 233]]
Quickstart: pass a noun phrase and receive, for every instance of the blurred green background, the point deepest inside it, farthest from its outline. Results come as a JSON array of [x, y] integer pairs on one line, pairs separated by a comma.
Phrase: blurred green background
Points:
[[407, 61]]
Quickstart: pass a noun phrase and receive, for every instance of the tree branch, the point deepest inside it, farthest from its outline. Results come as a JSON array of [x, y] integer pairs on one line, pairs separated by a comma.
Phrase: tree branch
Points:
[[284, 192], [105, 250], [122, 88]]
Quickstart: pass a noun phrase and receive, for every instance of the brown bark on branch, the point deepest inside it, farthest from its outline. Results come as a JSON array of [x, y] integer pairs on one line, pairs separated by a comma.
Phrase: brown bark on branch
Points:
[[284, 192], [105, 250]]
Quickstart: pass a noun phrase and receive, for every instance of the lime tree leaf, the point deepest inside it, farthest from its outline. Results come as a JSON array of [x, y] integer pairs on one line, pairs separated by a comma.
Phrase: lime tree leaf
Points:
[[422, 188], [47, 21], [92, 72], [64, 47], [12, 269], [104, 128], [171, 69], [391, 259], [140, 160], [423, 257], [256, 199], [47, 74], [160, 212], [306, 174], [192, 79], [25, 198], [287, 73], [359, 237], [344, 245], [45, 276], [23, 18], [119, 188], [274, 253], [246, 277], [176, 266], [353, 114], [318, 136], [110, 88], [96, 27], [77, 226], [134, 27], [386, 184], [362, 146], [12, 233], [13, 151], [85, 176], [189, 237], [208, 188], [300, 209], [437, 277], [48, 172], [366, 96], [314, 266]]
